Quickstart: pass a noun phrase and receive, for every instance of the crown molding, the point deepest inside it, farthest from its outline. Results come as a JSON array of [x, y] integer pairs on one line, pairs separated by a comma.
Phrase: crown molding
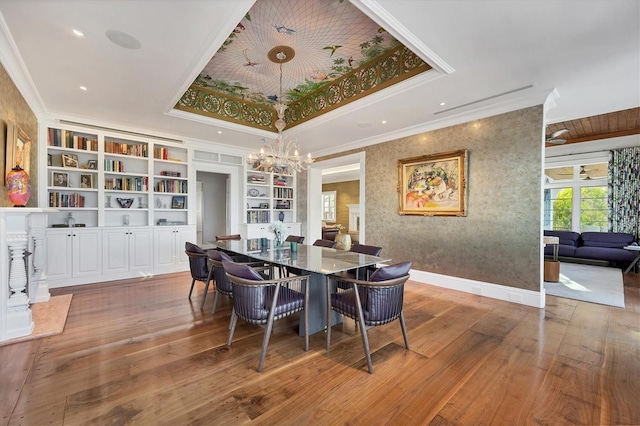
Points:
[[14, 65]]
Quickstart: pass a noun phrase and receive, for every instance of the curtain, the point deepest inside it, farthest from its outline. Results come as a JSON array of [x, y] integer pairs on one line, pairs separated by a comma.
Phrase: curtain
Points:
[[624, 191]]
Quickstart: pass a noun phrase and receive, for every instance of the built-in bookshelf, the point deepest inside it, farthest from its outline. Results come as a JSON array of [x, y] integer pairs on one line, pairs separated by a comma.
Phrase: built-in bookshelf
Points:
[[269, 197], [108, 180]]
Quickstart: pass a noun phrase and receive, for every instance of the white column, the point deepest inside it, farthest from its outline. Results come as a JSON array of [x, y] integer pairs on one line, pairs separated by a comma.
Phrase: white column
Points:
[[19, 322], [38, 287]]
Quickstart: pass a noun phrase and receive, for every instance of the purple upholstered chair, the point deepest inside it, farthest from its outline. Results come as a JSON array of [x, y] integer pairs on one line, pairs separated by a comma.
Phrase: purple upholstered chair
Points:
[[376, 301], [260, 301], [198, 268]]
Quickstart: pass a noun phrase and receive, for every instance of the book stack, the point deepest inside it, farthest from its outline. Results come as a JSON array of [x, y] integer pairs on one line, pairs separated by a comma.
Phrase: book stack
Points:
[[259, 179], [134, 150]]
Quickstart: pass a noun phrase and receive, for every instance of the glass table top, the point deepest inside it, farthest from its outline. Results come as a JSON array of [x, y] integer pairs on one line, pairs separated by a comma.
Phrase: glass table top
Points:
[[310, 258]]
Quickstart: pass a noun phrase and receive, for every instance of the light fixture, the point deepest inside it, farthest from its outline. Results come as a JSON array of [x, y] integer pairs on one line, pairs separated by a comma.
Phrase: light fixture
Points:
[[78, 33], [280, 155]]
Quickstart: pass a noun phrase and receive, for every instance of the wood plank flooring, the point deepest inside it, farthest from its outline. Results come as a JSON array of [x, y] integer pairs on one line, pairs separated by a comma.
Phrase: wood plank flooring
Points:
[[139, 352]]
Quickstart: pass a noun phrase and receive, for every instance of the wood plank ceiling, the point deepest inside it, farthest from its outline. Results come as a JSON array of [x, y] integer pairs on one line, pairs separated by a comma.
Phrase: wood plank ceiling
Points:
[[603, 126]]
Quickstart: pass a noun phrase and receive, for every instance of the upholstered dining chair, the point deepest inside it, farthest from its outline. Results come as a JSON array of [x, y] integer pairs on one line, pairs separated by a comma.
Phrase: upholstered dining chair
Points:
[[260, 301], [325, 243], [199, 268], [363, 273], [370, 303], [228, 237], [294, 239]]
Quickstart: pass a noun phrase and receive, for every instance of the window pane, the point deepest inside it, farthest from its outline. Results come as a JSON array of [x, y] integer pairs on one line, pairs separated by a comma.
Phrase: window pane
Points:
[[559, 174], [558, 209], [593, 209]]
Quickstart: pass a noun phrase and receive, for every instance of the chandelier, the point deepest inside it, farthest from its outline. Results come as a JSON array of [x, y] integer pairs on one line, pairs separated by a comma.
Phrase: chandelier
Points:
[[279, 156]]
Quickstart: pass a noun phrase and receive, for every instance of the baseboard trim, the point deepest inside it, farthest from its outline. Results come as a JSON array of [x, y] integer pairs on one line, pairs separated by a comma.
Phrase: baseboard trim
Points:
[[494, 291]]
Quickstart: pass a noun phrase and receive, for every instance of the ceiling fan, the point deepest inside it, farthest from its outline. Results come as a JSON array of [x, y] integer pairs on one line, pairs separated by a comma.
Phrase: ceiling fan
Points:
[[554, 137]]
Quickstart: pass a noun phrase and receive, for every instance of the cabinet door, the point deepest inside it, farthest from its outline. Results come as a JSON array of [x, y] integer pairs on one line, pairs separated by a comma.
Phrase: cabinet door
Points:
[[87, 253], [260, 230], [59, 255], [183, 235], [140, 249], [116, 251], [163, 246]]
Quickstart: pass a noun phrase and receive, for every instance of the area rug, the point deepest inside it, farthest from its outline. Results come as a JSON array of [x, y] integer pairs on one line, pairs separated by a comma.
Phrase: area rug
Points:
[[597, 284], [49, 318]]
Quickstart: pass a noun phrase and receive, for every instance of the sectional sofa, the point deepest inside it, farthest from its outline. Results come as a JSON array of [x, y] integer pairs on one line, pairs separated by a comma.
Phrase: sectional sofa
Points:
[[593, 246]]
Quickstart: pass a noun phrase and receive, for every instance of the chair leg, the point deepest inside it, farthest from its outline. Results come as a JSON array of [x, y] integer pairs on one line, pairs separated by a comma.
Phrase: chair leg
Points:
[[306, 314], [215, 302], [328, 313], [363, 330], [193, 282], [404, 330], [204, 296], [232, 326], [267, 332]]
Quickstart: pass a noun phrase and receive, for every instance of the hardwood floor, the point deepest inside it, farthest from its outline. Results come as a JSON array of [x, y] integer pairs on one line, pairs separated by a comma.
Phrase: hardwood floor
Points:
[[139, 352]]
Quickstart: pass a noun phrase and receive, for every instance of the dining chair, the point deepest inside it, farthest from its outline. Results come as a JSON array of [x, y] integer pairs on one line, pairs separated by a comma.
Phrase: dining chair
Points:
[[364, 249], [292, 270], [294, 239], [325, 243], [198, 267], [260, 301], [376, 301], [228, 237]]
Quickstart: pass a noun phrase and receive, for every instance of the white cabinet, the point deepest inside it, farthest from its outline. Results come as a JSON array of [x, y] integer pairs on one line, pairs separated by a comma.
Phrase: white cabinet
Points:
[[127, 249], [261, 230], [169, 243], [73, 253]]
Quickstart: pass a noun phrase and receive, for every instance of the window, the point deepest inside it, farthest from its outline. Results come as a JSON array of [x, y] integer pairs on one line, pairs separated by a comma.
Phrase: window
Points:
[[329, 206], [575, 197]]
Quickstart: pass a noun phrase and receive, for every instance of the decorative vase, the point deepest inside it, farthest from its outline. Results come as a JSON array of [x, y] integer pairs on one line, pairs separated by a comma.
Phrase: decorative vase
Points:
[[277, 241], [281, 216], [343, 241], [18, 186]]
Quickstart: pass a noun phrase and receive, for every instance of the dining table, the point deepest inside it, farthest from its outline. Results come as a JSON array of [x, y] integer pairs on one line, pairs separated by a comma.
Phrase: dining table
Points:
[[319, 263]]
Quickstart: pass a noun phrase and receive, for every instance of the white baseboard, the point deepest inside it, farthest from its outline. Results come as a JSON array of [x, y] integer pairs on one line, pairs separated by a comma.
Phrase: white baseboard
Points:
[[494, 291]]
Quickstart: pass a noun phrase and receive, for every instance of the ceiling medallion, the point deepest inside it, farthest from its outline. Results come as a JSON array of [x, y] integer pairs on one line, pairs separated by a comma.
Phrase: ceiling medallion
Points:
[[279, 156]]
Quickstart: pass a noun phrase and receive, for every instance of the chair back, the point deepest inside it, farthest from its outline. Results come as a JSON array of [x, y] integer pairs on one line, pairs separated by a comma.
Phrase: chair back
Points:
[[325, 243], [197, 261], [223, 285], [383, 295], [294, 239], [365, 249], [228, 237]]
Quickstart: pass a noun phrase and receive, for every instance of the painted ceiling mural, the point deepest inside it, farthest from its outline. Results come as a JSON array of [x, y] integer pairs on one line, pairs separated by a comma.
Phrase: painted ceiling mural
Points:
[[331, 39]]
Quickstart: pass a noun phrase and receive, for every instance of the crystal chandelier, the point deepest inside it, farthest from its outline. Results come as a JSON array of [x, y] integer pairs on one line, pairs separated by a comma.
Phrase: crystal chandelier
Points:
[[280, 155]]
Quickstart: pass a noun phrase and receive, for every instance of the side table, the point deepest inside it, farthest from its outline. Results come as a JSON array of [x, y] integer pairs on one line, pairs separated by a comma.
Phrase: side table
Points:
[[552, 267], [633, 263]]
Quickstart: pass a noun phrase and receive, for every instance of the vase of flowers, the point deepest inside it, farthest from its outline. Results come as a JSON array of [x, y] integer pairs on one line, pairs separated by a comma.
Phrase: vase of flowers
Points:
[[279, 231], [343, 240]]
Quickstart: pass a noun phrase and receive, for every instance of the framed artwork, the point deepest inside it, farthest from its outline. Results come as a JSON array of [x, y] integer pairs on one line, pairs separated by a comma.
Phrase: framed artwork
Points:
[[177, 202], [92, 164], [18, 149], [433, 185], [69, 160], [86, 181], [60, 179]]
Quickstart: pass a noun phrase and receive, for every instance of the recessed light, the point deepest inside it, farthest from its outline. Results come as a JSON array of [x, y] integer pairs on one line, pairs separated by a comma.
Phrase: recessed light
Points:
[[443, 103], [123, 39], [219, 132], [384, 121], [83, 88], [78, 33]]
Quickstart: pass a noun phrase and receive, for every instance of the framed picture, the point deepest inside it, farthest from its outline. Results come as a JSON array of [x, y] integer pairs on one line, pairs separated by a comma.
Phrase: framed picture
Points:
[[86, 181], [264, 205], [60, 179], [177, 202], [69, 160], [18, 149], [433, 185], [92, 164]]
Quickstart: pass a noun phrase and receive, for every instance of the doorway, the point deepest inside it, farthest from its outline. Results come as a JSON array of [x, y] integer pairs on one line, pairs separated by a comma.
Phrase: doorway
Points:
[[212, 205]]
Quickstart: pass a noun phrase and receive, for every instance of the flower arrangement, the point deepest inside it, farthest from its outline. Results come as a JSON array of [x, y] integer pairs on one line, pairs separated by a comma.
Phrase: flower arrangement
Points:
[[279, 231], [339, 227]]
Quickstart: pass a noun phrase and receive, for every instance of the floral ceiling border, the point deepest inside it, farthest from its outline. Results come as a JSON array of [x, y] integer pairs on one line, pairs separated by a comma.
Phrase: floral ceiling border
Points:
[[395, 65]]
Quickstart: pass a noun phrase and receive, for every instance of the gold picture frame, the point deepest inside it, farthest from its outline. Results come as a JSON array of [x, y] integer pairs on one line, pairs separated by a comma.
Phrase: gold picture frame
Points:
[[433, 185], [18, 149]]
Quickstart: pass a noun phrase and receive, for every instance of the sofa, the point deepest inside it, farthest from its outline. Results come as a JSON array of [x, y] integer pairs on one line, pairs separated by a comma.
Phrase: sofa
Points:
[[329, 233], [593, 246]]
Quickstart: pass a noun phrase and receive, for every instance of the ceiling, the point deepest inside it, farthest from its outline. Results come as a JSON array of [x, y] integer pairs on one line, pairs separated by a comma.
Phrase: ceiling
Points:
[[487, 58]]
